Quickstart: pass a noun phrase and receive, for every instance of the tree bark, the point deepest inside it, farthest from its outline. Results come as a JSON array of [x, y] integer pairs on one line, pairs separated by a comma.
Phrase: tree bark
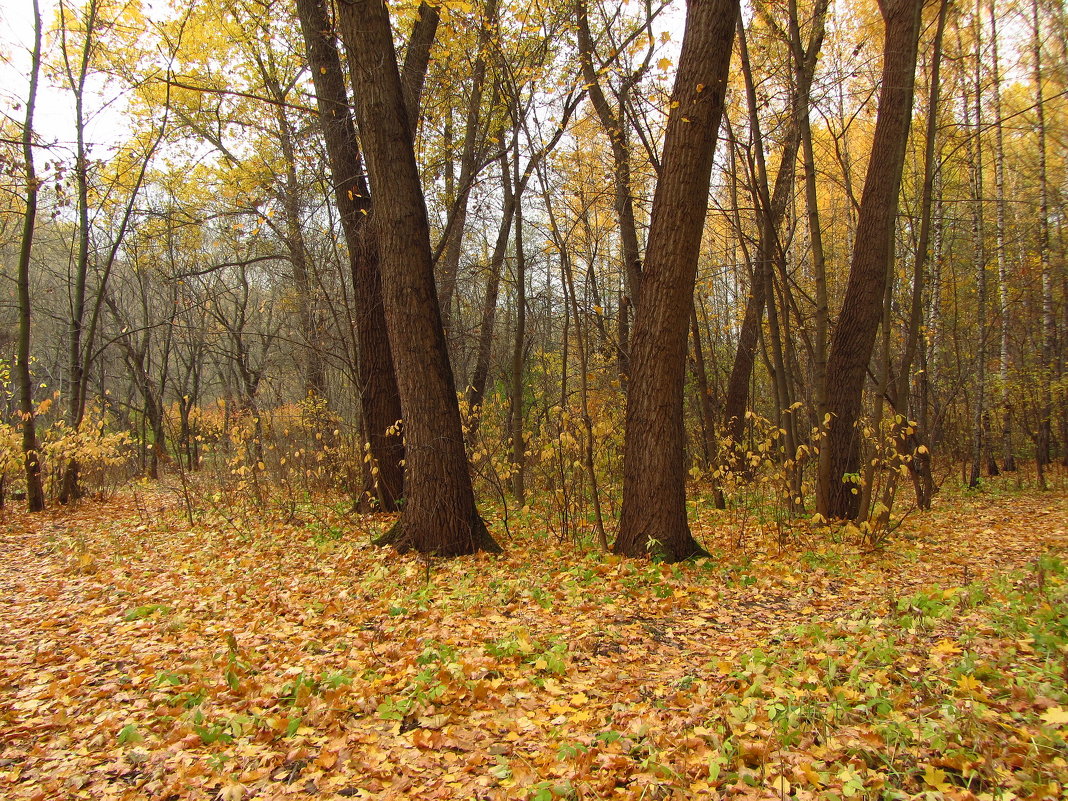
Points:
[[476, 392], [1049, 334], [417, 59], [379, 396], [35, 501], [439, 515], [653, 517], [854, 336]]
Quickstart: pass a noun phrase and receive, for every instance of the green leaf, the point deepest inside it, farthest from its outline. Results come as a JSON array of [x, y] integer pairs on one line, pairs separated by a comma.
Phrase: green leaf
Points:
[[129, 734], [141, 612]]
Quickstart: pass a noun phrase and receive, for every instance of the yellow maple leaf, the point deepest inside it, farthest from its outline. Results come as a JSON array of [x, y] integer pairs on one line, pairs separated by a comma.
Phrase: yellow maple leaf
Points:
[[1055, 716], [935, 778], [664, 63], [946, 647]]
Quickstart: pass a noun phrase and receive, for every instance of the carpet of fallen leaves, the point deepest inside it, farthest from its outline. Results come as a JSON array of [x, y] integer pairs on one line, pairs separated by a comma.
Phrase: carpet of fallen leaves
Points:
[[146, 658]]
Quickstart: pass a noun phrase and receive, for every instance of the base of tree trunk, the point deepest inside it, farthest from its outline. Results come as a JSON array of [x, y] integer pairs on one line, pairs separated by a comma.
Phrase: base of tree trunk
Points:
[[403, 537], [1009, 465], [678, 546], [369, 501], [71, 489]]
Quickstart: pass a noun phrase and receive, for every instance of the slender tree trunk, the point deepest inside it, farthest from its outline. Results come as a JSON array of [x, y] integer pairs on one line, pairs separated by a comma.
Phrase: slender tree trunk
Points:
[[379, 395], [773, 210], [582, 342], [1049, 334], [920, 463], [854, 336], [653, 517], [439, 515], [979, 445], [815, 232], [615, 126], [518, 446], [312, 362], [469, 158], [417, 59], [706, 406], [476, 392], [1007, 450], [31, 456], [76, 77], [819, 272]]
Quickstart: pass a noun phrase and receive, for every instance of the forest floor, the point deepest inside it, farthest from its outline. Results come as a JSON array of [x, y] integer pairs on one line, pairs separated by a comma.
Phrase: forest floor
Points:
[[147, 658]]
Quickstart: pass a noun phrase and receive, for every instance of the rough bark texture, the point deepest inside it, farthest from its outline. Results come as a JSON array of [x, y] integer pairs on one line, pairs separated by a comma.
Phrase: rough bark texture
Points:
[[417, 59], [379, 396], [854, 336], [439, 515], [653, 518]]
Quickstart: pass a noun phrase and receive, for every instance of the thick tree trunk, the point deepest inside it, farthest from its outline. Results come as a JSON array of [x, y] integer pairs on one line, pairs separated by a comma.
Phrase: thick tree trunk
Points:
[[653, 517], [854, 336], [439, 515], [379, 396]]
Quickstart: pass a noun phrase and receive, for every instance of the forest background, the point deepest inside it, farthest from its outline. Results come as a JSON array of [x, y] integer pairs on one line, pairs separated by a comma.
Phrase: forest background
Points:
[[280, 279], [195, 301]]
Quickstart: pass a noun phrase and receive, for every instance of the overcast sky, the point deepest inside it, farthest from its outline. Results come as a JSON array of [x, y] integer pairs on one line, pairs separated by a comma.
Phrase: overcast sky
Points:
[[54, 115]]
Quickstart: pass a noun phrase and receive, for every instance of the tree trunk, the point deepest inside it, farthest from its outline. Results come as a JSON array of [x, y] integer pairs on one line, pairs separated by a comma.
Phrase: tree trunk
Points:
[[379, 396], [417, 59], [1007, 449], [975, 150], [476, 393], [854, 336], [705, 403], [614, 124], [518, 446], [774, 208], [469, 158], [1049, 334], [31, 457], [653, 517], [439, 515], [920, 464]]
